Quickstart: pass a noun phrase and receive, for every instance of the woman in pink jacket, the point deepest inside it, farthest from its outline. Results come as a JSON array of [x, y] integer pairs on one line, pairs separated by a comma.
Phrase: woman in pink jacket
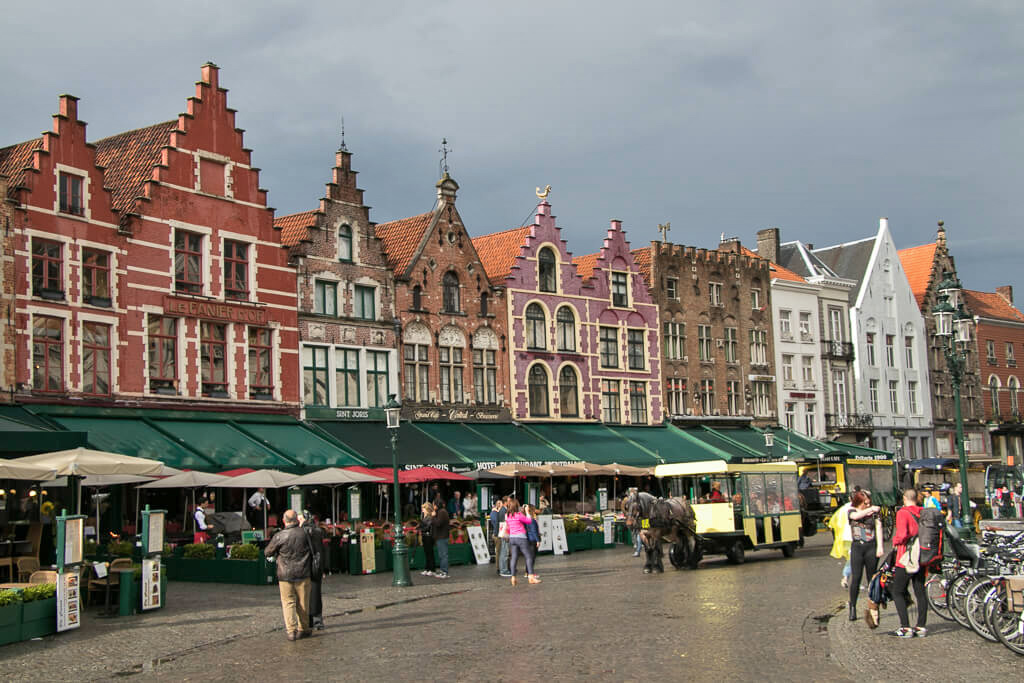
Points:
[[517, 522]]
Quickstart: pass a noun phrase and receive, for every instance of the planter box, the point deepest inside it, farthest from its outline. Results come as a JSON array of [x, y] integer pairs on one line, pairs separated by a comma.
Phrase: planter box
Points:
[[39, 618], [248, 572], [577, 542], [460, 553], [10, 623]]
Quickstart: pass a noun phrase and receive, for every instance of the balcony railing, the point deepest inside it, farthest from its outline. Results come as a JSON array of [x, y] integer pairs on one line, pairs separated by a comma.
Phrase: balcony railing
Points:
[[837, 350], [848, 421]]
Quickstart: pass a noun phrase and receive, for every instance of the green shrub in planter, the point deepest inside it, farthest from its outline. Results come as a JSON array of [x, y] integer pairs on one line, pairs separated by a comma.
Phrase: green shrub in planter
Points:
[[41, 591], [10, 617], [245, 551], [199, 551], [121, 548]]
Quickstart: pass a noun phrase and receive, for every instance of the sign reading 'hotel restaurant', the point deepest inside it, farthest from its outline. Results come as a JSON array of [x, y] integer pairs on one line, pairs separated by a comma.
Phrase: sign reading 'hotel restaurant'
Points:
[[214, 310]]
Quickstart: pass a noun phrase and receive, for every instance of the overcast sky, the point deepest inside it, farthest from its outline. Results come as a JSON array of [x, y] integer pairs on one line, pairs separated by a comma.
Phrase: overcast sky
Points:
[[815, 117]]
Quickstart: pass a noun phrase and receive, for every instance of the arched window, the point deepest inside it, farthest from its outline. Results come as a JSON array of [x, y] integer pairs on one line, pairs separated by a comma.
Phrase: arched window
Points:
[[417, 298], [1014, 386], [483, 303], [566, 331], [546, 275], [993, 386], [451, 293], [568, 395], [535, 327], [344, 243], [538, 382]]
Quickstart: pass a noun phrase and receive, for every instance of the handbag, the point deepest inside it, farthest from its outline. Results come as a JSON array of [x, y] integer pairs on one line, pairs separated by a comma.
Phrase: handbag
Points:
[[316, 570], [503, 530], [910, 559]]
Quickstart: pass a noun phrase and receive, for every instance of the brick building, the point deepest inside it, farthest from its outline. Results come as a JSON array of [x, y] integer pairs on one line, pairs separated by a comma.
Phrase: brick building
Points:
[[1000, 337], [926, 266], [454, 345], [346, 299], [6, 295], [718, 354], [583, 335]]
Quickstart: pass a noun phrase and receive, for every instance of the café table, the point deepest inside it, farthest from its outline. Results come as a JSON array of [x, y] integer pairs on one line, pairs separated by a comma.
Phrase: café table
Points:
[[14, 586]]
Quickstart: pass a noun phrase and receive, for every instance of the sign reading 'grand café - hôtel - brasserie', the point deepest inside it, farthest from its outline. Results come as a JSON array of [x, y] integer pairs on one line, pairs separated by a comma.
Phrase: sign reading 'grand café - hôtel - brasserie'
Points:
[[215, 310]]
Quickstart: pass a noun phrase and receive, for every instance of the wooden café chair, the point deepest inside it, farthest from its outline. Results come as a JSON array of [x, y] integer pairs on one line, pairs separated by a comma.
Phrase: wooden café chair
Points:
[[27, 565], [6, 558], [113, 579], [43, 576]]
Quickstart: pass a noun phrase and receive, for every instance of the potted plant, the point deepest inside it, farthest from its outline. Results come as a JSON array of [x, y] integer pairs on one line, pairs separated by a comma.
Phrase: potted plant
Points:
[[121, 548], [10, 617], [39, 610]]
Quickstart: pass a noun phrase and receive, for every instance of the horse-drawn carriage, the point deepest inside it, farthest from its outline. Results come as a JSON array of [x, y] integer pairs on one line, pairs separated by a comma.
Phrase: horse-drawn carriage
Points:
[[835, 475]]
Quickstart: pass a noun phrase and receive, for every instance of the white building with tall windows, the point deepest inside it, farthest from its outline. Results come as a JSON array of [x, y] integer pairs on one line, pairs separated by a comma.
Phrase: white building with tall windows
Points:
[[890, 368]]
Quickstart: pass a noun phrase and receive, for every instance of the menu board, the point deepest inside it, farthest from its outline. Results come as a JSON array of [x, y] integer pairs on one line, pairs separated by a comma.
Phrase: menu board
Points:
[[544, 522], [150, 584], [476, 539], [609, 536], [558, 541], [155, 539], [68, 600], [73, 540], [295, 500], [368, 549]]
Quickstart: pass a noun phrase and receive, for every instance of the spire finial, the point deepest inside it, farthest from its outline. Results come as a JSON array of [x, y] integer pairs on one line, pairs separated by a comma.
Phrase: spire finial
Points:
[[342, 147], [444, 155], [940, 236], [663, 228]]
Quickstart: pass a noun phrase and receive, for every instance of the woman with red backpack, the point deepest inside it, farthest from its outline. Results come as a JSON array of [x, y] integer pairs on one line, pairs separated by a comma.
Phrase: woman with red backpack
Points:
[[903, 538]]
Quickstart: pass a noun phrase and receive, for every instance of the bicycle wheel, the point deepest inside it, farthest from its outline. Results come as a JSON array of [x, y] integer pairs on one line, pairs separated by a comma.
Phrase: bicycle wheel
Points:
[[935, 588], [1006, 625], [975, 607], [956, 596], [888, 516]]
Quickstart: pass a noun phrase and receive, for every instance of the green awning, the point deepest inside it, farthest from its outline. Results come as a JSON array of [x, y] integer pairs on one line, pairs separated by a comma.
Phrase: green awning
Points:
[[594, 443], [222, 443], [372, 442], [132, 436], [668, 444], [490, 444], [522, 442], [301, 444]]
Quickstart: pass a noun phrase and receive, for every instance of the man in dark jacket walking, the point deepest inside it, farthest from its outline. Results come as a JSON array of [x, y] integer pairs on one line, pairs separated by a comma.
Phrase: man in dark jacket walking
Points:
[[291, 546]]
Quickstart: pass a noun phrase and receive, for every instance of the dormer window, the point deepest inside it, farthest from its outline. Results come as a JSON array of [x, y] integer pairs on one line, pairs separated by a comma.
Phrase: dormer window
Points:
[[620, 290], [546, 267], [71, 194], [345, 243]]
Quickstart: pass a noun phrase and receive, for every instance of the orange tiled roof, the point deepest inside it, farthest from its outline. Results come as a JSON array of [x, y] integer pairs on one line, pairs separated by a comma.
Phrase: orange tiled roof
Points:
[[917, 264], [498, 251], [400, 239], [586, 264], [15, 158], [642, 258], [128, 159], [991, 305], [777, 271], [294, 227]]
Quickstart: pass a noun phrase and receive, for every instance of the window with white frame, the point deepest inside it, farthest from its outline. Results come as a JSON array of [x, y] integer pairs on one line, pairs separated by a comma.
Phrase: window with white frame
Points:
[[417, 372], [485, 376], [732, 346], [839, 402], [908, 347], [707, 396], [316, 388], [990, 351], [734, 397], [704, 350], [715, 293], [805, 325], [638, 402], [565, 321], [808, 370], [870, 342], [568, 392], [325, 297], [762, 398], [790, 415], [377, 379], [346, 377], [672, 288], [873, 395], [1011, 359], [810, 421], [894, 397], [611, 405], [47, 353], [620, 290], [1013, 388], [787, 367], [536, 327], [345, 243], [451, 373], [912, 398], [675, 340], [890, 350], [758, 347], [755, 298], [785, 324], [675, 396]]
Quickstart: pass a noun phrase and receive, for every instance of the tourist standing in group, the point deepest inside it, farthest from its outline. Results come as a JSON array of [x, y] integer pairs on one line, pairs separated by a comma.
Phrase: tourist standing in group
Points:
[[469, 506], [839, 523], [902, 537], [953, 503], [440, 525], [497, 523], [533, 534], [291, 548], [427, 537], [316, 547], [866, 546], [517, 522]]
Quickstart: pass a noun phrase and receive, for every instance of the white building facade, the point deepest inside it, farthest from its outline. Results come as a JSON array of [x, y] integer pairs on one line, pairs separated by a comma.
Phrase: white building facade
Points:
[[800, 380]]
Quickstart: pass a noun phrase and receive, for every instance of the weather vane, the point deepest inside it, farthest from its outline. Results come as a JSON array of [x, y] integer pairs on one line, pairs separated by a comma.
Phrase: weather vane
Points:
[[663, 228], [444, 155], [543, 195], [343, 148]]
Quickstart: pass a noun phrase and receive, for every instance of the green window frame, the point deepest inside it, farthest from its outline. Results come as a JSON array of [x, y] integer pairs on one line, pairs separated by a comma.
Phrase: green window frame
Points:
[[346, 377], [377, 378], [365, 306], [325, 297], [316, 390]]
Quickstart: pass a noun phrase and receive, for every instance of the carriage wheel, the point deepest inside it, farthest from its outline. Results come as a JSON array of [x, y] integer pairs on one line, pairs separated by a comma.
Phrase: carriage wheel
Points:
[[789, 550], [735, 553], [677, 555], [697, 554]]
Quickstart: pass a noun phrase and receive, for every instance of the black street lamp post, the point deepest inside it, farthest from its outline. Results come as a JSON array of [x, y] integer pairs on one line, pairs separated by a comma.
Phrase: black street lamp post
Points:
[[400, 553], [953, 327]]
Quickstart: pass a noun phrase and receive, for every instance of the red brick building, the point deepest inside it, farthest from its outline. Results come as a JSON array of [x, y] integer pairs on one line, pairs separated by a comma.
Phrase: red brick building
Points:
[[6, 296], [346, 299], [1000, 334], [148, 269], [453, 327]]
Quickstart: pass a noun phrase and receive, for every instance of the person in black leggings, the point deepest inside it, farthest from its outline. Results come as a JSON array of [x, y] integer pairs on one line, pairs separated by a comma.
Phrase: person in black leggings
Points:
[[903, 536], [866, 548]]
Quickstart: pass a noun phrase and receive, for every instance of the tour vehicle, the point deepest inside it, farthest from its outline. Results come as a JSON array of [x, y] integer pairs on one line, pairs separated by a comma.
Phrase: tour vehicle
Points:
[[835, 476], [758, 507]]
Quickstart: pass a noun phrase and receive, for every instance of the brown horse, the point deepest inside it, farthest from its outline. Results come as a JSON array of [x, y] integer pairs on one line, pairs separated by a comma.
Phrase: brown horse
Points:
[[658, 520]]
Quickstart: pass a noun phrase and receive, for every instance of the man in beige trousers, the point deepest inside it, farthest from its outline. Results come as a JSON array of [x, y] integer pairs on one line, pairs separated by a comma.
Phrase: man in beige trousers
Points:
[[291, 547]]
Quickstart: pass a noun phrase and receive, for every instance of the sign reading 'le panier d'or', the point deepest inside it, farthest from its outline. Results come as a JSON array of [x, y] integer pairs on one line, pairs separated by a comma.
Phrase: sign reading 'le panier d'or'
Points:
[[215, 310]]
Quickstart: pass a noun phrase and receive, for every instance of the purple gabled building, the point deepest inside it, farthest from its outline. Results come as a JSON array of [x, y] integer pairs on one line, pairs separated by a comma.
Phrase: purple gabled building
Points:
[[584, 343]]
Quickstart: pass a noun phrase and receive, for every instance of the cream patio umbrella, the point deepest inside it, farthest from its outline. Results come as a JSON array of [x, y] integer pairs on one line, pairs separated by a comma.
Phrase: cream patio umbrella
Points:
[[335, 477], [267, 479], [187, 480], [15, 469]]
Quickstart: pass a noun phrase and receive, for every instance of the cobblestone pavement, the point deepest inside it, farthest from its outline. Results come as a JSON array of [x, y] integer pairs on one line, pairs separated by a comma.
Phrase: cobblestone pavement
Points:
[[595, 615]]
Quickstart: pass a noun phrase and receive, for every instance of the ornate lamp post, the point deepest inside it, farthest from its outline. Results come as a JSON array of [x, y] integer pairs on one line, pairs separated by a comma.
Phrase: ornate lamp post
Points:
[[953, 327], [399, 552]]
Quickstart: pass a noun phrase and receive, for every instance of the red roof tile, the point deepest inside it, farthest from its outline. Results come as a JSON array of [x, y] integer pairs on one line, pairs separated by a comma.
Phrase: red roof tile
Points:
[[498, 252], [14, 160], [642, 258], [991, 305], [777, 271], [586, 264], [294, 227], [128, 159], [917, 264], [400, 239]]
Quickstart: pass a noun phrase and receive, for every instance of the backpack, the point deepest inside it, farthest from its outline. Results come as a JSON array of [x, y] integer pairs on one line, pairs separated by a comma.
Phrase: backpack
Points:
[[931, 531]]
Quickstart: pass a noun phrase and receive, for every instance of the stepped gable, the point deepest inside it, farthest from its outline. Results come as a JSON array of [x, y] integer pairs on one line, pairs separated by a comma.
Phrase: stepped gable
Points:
[[918, 263], [401, 238], [295, 227], [498, 252], [991, 305], [128, 160]]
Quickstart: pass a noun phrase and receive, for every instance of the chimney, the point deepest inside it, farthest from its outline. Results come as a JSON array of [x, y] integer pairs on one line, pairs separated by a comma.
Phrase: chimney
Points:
[[1006, 291], [883, 223], [768, 244]]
